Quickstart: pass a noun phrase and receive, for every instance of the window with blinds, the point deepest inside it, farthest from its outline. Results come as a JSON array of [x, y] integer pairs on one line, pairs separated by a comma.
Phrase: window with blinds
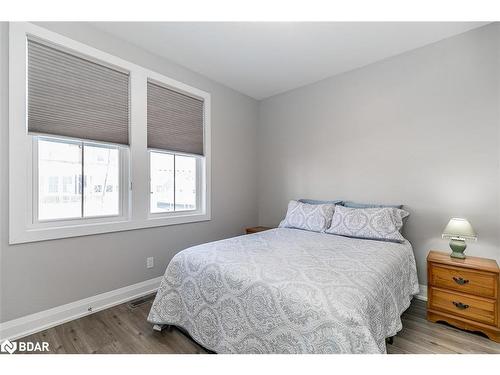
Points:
[[71, 96], [175, 120], [77, 156]]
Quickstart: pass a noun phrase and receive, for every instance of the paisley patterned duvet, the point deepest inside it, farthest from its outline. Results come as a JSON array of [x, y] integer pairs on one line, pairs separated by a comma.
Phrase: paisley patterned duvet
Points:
[[288, 291]]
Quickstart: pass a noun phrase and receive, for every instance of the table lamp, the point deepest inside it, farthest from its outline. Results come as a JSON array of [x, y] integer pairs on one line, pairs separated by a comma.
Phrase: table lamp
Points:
[[458, 231]]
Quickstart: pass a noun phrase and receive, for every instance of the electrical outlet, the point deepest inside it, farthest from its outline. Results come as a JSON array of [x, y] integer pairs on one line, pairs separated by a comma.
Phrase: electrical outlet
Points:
[[150, 262]]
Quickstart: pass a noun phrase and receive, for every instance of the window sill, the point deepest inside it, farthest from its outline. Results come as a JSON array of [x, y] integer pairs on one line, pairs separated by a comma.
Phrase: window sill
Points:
[[88, 229]]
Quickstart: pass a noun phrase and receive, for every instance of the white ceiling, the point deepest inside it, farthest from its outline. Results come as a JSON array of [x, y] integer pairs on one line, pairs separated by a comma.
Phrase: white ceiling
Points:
[[264, 59]]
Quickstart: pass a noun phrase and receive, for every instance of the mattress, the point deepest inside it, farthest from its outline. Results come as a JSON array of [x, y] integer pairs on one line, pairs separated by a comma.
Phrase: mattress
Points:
[[288, 291]]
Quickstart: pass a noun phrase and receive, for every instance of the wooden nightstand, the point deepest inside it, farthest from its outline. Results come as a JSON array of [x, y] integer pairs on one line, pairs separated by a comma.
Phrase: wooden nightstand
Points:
[[257, 229], [464, 293]]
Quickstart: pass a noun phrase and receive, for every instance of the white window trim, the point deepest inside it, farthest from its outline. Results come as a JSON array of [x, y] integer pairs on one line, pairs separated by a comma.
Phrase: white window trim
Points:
[[136, 215]]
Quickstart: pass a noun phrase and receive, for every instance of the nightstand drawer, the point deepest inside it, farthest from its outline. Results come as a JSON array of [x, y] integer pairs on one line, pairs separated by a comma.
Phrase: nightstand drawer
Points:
[[475, 308], [466, 281]]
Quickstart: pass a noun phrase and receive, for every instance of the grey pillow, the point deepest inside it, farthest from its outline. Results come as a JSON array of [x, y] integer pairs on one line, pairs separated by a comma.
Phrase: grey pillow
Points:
[[383, 223], [312, 217], [370, 205]]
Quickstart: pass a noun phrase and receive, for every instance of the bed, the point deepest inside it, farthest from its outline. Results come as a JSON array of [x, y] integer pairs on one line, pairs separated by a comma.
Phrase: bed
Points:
[[288, 291]]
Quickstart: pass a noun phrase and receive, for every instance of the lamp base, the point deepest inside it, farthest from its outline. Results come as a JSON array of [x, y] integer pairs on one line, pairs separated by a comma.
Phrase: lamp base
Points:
[[458, 247]]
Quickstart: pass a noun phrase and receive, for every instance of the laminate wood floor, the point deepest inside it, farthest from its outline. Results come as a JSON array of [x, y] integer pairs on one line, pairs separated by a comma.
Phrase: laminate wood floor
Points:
[[122, 329]]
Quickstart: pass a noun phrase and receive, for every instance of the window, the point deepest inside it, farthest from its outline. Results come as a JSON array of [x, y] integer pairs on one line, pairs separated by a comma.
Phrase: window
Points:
[[162, 182], [68, 161], [53, 184], [80, 99], [58, 160], [68, 184], [101, 144], [185, 183], [175, 139], [173, 182], [101, 174]]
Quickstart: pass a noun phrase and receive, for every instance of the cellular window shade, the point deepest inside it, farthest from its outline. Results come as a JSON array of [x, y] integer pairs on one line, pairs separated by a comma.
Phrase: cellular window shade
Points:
[[175, 120], [71, 96]]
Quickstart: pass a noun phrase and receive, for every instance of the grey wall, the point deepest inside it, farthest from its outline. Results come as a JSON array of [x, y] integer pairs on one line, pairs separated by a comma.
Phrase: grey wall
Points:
[[421, 129], [41, 275]]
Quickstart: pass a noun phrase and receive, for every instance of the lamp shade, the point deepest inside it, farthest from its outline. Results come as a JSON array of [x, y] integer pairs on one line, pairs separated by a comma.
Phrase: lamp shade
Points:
[[459, 228]]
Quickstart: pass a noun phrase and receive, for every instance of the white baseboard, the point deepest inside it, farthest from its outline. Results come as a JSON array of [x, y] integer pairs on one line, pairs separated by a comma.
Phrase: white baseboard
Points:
[[422, 295], [27, 325]]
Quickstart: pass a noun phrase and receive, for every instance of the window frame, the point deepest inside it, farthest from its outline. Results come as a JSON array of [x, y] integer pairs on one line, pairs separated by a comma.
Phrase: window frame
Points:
[[123, 178], [199, 185], [134, 159]]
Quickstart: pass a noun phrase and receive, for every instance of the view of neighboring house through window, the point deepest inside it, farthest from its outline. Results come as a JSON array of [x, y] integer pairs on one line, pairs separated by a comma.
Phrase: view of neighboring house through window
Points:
[[162, 182], [185, 183], [60, 171], [53, 184], [58, 160], [68, 184], [101, 188], [173, 182]]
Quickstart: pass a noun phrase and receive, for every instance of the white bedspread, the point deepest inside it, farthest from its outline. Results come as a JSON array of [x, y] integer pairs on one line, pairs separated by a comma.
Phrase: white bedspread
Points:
[[288, 291]]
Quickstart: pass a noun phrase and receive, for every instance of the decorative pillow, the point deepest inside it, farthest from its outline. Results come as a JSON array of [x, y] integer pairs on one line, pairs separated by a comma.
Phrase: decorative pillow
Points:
[[371, 223], [312, 217], [370, 205]]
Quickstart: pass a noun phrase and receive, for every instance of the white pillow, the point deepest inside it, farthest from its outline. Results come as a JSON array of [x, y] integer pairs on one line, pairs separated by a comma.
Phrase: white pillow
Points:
[[312, 217], [371, 223]]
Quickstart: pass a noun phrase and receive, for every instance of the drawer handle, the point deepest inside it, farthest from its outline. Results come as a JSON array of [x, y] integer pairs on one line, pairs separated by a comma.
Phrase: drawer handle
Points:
[[460, 280], [460, 305]]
